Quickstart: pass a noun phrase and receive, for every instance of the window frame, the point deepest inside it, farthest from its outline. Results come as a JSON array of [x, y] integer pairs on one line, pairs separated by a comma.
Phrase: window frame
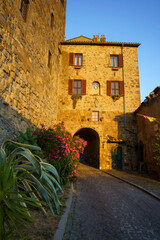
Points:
[[76, 88], [115, 89], [24, 9], [49, 59], [95, 116], [114, 56], [78, 55]]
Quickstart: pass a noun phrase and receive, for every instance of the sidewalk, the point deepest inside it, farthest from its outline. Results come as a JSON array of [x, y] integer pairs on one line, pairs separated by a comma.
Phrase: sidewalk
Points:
[[143, 182]]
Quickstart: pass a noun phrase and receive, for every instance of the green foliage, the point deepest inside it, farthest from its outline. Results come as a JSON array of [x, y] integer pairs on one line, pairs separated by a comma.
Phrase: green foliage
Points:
[[156, 149], [27, 138], [75, 98], [25, 180]]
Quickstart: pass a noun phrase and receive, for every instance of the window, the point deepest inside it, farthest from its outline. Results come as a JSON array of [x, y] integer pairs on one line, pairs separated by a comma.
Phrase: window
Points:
[[75, 59], [115, 88], [52, 20], [95, 88], [114, 61], [49, 59], [62, 1], [95, 116], [78, 59], [77, 86], [24, 9]]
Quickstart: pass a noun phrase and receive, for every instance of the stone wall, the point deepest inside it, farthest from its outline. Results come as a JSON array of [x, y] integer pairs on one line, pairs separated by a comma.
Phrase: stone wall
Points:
[[113, 122], [29, 61], [147, 131]]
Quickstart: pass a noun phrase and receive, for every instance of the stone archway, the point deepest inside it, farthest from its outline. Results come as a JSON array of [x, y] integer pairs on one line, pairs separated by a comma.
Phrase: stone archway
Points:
[[93, 145]]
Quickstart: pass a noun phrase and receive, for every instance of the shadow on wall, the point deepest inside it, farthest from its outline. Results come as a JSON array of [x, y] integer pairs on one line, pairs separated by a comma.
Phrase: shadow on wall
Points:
[[11, 122], [126, 142], [91, 153]]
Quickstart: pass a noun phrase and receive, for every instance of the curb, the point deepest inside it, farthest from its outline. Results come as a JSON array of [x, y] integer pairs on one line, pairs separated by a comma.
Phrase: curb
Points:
[[135, 185], [62, 224]]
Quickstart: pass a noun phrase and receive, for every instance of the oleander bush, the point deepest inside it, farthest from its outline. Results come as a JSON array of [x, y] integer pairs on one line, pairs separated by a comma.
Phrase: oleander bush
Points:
[[62, 150]]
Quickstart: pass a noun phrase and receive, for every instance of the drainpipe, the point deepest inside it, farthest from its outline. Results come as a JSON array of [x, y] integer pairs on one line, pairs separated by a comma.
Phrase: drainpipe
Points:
[[124, 107]]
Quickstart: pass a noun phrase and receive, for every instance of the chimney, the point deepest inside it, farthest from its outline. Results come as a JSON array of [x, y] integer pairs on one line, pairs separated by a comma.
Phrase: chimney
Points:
[[103, 39], [96, 38]]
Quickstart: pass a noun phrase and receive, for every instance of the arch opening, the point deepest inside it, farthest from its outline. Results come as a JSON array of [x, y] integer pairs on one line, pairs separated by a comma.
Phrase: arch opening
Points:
[[91, 152]]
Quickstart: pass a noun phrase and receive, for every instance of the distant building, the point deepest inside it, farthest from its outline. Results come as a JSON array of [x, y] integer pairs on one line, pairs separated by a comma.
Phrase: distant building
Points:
[[98, 93], [146, 132]]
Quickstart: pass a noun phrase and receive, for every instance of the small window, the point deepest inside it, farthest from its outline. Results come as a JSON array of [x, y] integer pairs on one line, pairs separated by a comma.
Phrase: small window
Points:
[[77, 87], [95, 88], [78, 59], [95, 116], [52, 20], [49, 59], [24, 9], [62, 1], [115, 87], [114, 60]]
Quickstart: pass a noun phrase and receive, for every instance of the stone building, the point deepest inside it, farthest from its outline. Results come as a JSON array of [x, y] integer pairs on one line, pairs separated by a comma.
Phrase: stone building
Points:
[[147, 129], [98, 93], [30, 32]]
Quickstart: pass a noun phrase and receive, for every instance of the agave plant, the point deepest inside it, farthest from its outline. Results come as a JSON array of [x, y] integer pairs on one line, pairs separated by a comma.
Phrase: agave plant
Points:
[[24, 180]]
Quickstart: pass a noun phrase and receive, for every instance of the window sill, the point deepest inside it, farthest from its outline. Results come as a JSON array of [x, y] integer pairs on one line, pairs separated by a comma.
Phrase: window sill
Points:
[[115, 68], [77, 67]]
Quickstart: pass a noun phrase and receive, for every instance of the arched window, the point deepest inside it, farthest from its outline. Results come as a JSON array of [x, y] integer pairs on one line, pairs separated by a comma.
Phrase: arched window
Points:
[[95, 88]]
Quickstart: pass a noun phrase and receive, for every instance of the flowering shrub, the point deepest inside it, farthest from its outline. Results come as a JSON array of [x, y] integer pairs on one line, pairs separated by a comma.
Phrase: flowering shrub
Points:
[[62, 150]]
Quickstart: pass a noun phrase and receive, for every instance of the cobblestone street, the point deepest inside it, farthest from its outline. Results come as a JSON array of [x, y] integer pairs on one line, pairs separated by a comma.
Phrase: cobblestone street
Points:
[[104, 207]]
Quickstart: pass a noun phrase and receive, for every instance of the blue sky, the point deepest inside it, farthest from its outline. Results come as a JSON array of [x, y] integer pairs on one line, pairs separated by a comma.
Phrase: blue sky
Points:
[[122, 21]]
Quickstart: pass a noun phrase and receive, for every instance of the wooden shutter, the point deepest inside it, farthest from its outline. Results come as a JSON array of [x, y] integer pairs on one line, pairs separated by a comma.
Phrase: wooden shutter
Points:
[[120, 64], [70, 86], [71, 59], [121, 88], [83, 87], [109, 88]]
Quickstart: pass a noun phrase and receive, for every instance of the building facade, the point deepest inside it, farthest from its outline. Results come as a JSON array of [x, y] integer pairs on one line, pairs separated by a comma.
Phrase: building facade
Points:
[[30, 32], [98, 93], [147, 129]]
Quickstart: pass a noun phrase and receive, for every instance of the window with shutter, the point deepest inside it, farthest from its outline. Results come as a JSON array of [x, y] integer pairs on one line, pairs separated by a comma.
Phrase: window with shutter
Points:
[[77, 87], [75, 59], [116, 60], [115, 88], [24, 9]]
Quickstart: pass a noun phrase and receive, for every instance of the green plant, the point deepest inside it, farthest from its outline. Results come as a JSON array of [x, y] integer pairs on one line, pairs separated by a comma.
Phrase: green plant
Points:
[[115, 97], [27, 137], [75, 98], [24, 180]]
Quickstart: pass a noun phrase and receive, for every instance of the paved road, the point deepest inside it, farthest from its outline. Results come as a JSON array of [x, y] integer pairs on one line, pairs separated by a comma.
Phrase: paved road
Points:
[[105, 208]]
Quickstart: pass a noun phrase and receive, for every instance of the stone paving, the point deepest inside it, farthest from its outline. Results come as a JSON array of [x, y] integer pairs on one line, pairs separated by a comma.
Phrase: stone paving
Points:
[[142, 180], [106, 208]]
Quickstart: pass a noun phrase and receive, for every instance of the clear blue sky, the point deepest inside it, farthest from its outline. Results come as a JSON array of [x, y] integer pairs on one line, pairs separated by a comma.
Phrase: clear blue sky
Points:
[[122, 21]]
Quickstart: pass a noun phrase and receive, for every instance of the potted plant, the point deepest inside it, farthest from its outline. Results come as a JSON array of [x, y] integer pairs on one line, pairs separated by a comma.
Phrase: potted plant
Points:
[[75, 98], [115, 97]]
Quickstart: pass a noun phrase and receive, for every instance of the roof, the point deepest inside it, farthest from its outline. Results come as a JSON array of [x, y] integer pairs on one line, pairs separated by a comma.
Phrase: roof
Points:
[[151, 97], [82, 40]]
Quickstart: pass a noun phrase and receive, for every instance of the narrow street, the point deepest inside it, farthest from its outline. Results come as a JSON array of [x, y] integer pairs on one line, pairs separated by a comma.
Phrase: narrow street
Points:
[[105, 208]]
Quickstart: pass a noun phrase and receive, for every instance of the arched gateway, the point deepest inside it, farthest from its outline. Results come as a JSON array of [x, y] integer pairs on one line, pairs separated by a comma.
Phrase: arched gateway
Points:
[[91, 153]]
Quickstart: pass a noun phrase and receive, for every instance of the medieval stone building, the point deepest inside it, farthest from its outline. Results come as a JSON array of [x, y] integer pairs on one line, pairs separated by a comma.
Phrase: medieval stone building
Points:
[[147, 129], [98, 93], [91, 84], [30, 33]]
